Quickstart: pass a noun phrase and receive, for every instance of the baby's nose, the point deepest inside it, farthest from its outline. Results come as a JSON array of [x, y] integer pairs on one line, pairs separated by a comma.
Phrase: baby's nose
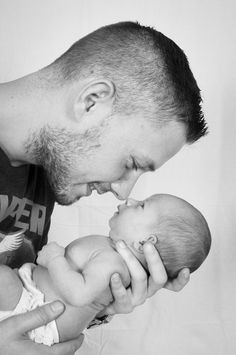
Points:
[[131, 202]]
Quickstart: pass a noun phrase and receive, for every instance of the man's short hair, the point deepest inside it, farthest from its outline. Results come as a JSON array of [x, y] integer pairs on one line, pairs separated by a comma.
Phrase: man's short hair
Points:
[[151, 74]]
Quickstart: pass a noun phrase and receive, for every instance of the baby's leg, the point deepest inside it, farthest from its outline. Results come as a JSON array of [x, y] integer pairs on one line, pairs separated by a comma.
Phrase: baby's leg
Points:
[[10, 288]]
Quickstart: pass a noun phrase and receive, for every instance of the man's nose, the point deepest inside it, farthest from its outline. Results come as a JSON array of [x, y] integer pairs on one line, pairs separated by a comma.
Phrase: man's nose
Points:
[[122, 188]]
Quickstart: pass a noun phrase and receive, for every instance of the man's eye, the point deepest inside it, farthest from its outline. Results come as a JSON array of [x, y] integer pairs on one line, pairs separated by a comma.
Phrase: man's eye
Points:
[[142, 204], [131, 164]]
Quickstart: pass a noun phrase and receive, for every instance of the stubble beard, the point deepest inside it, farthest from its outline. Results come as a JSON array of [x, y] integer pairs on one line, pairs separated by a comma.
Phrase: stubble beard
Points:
[[58, 151]]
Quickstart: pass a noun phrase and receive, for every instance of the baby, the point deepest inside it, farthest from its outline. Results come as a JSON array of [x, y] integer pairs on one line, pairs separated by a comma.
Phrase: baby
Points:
[[79, 274]]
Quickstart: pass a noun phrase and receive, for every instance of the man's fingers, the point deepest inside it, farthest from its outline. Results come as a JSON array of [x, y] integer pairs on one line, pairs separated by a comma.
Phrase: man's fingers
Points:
[[22, 323], [158, 276], [118, 289], [69, 347], [122, 299], [179, 283], [137, 273]]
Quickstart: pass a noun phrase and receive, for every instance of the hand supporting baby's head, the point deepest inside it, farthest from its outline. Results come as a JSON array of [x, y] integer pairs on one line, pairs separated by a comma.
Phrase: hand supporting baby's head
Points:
[[176, 228]]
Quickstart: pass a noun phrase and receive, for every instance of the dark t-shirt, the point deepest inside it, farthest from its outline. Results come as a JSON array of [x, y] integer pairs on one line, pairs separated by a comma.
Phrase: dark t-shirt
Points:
[[26, 203]]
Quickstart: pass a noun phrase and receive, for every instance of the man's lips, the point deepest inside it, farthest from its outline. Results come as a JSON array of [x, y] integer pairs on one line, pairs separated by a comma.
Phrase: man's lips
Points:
[[95, 186]]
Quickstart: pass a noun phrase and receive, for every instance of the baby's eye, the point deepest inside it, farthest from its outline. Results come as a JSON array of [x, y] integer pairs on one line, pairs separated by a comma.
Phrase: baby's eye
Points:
[[131, 164]]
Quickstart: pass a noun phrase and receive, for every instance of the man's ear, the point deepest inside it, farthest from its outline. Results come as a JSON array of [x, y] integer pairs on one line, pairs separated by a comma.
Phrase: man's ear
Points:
[[95, 97]]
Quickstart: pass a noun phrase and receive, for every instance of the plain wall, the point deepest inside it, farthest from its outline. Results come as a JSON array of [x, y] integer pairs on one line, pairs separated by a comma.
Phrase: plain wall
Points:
[[200, 320]]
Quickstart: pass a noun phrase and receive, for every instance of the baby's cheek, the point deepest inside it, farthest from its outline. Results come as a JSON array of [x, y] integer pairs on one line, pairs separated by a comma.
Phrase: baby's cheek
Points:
[[125, 228], [133, 234]]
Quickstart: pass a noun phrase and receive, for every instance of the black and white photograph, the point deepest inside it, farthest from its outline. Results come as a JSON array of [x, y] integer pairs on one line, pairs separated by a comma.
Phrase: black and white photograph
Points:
[[117, 177]]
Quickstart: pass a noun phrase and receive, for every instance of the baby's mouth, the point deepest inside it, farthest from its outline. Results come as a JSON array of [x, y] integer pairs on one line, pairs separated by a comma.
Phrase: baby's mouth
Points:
[[122, 206]]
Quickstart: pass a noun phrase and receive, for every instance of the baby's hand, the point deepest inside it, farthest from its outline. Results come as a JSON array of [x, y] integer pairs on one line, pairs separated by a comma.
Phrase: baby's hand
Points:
[[49, 252]]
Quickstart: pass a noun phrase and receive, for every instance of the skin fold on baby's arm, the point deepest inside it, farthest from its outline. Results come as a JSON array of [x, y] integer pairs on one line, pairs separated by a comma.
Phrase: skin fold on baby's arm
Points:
[[81, 287]]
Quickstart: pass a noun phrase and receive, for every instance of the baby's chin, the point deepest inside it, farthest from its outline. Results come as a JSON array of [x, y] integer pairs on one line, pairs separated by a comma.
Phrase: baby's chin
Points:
[[112, 222], [113, 235], [113, 232]]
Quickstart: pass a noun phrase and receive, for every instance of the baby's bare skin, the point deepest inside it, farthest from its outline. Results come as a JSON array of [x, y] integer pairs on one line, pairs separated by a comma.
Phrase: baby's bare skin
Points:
[[84, 256]]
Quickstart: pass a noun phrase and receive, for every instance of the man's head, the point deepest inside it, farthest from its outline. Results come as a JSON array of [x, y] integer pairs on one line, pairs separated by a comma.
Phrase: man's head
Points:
[[129, 97], [176, 228]]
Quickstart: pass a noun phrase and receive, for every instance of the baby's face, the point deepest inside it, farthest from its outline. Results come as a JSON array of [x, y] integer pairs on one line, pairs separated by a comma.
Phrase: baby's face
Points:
[[135, 220]]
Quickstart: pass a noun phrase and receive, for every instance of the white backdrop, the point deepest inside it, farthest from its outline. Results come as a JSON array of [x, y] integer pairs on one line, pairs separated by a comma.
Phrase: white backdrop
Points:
[[200, 319]]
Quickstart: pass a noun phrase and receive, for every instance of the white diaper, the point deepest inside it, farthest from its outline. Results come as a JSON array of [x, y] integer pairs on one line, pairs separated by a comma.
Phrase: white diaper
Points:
[[32, 298]]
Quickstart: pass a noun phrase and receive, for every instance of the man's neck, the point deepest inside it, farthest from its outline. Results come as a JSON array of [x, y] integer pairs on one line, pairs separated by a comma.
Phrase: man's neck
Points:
[[13, 120], [24, 108]]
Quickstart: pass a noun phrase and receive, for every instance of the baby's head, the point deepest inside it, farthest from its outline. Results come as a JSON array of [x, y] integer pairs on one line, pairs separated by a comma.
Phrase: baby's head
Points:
[[176, 228]]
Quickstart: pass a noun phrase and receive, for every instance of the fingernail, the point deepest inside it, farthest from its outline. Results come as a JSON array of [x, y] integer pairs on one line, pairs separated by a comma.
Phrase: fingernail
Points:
[[121, 244], [57, 306], [149, 246], [115, 278], [186, 274]]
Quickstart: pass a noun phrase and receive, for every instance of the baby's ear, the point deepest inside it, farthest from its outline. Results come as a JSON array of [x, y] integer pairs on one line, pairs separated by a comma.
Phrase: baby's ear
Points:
[[138, 246]]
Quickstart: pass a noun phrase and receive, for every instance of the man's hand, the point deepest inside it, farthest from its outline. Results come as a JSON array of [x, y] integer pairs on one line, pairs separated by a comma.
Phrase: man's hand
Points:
[[49, 252], [142, 286], [14, 341]]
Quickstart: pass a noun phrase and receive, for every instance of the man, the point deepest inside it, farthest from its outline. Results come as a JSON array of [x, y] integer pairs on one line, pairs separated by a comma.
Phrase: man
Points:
[[121, 101]]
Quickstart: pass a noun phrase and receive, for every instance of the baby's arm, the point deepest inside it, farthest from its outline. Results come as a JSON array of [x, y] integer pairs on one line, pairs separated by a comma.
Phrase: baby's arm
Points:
[[77, 289], [10, 288]]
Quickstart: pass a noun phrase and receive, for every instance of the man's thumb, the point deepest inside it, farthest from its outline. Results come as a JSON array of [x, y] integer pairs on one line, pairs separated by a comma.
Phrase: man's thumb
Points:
[[38, 317]]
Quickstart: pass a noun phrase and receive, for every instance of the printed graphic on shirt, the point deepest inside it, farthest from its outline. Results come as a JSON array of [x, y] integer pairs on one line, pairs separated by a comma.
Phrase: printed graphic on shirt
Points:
[[27, 214], [28, 220], [11, 241], [15, 251]]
